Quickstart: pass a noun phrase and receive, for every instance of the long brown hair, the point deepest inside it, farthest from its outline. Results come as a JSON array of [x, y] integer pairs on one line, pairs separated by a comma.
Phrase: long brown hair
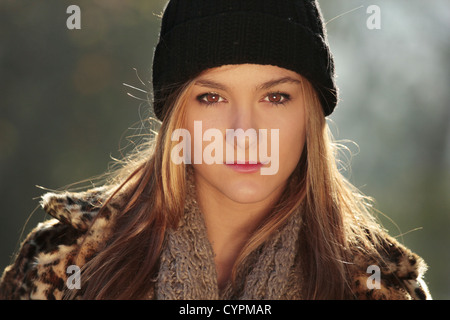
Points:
[[335, 215]]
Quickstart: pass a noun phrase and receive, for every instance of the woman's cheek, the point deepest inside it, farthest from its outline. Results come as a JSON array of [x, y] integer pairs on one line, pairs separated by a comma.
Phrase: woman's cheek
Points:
[[291, 147]]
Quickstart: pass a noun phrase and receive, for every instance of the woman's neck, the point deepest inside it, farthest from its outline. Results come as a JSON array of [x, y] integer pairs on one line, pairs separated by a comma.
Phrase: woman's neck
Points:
[[229, 224]]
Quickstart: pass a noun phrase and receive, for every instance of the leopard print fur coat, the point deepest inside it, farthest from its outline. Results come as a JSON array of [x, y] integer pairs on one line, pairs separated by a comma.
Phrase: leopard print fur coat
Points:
[[73, 237]]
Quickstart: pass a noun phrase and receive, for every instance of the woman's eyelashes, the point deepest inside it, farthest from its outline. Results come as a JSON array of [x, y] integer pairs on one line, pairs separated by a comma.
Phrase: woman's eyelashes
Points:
[[274, 98]]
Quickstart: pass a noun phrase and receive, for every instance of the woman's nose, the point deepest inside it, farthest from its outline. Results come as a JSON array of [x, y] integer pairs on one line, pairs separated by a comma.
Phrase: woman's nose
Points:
[[243, 133]]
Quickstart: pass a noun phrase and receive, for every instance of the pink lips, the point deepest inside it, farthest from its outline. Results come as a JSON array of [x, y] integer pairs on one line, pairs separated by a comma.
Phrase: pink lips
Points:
[[245, 167]]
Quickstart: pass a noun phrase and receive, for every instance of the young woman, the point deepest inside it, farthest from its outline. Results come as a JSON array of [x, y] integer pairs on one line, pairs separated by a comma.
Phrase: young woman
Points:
[[239, 196]]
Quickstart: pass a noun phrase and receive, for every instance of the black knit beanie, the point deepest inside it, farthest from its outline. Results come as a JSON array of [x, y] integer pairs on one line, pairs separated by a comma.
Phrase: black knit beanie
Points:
[[200, 34]]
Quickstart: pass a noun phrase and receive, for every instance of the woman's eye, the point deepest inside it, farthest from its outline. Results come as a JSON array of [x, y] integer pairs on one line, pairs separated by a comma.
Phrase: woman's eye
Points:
[[277, 98], [210, 98]]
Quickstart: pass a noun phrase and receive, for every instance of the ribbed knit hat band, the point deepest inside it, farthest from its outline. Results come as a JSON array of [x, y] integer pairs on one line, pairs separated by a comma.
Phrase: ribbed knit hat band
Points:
[[200, 34]]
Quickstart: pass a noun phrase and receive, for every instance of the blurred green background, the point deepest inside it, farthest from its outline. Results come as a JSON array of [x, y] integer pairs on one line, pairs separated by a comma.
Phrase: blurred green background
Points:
[[64, 111]]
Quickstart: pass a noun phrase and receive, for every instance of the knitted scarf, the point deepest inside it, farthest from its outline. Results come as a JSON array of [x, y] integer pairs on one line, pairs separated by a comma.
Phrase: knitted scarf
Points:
[[188, 272]]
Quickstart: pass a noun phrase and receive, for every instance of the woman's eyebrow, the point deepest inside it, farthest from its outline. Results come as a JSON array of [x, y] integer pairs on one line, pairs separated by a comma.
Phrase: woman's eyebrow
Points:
[[273, 83], [264, 86], [211, 84]]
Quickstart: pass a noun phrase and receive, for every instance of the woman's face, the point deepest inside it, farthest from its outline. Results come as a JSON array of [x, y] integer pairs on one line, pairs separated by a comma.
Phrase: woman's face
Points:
[[247, 129]]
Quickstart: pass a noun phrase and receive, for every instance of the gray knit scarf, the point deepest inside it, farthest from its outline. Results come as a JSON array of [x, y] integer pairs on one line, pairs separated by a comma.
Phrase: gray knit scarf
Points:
[[188, 272]]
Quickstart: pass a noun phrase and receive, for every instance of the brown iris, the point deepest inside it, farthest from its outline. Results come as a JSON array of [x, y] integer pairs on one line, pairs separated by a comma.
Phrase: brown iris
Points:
[[275, 97], [212, 98]]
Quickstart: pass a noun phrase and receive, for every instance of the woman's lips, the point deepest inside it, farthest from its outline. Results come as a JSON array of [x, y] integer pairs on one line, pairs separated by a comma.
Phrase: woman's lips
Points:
[[245, 167]]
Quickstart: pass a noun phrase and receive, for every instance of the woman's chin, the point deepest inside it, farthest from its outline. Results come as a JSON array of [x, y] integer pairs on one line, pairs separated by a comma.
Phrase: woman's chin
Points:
[[247, 191]]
